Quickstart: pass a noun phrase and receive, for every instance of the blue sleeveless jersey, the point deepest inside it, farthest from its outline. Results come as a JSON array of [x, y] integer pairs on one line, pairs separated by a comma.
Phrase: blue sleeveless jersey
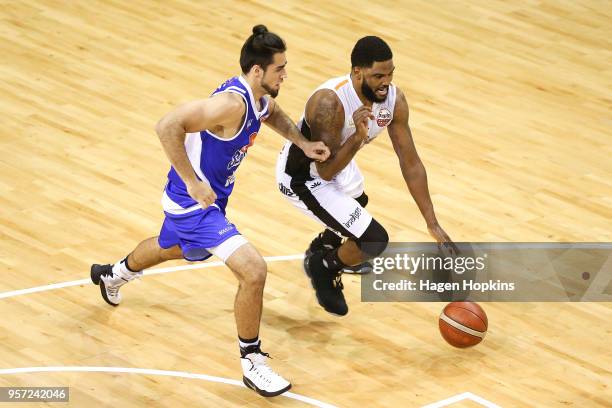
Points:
[[215, 160]]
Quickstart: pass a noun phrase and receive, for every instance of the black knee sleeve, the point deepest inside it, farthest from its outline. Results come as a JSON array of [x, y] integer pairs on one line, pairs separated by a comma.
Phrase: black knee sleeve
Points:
[[362, 200], [374, 239]]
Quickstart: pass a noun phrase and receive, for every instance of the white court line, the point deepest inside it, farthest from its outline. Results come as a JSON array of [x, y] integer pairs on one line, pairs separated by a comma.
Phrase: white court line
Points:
[[182, 374], [52, 286], [447, 401], [482, 401], [461, 397]]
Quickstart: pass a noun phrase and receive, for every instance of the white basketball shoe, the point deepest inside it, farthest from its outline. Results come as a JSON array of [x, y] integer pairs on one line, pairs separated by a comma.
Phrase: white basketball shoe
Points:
[[258, 376], [111, 278]]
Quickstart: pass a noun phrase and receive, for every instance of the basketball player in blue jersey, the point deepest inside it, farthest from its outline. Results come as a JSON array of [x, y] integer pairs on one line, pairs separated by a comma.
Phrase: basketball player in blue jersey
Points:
[[347, 113], [205, 141]]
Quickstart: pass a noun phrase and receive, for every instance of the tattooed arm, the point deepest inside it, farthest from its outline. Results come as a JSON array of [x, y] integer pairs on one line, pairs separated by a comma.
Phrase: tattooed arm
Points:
[[283, 125], [325, 116]]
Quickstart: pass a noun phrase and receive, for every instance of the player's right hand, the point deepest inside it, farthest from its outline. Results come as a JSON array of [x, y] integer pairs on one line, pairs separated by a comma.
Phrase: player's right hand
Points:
[[360, 118], [446, 246], [202, 193]]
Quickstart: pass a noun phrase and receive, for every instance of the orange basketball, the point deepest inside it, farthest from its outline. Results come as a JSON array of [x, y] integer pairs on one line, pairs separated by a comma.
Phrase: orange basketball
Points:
[[463, 324]]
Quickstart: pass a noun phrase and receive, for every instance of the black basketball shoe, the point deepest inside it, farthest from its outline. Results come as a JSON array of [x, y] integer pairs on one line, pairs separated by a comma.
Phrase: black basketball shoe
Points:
[[327, 284]]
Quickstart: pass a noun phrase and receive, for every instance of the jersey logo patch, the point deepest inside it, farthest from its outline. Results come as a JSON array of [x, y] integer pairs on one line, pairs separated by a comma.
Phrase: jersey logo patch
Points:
[[236, 159], [384, 117], [241, 153], [251, 142]]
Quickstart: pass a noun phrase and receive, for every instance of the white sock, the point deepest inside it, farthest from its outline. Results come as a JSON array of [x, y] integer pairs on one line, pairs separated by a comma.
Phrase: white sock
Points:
[[244, 345], [120, 269]]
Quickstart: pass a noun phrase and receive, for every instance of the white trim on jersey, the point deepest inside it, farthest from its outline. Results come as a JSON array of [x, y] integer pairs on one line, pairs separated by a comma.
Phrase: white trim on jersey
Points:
[[246, 114], [193, 146], [264, 108], [171, 207], [235, 88], [174, 208]]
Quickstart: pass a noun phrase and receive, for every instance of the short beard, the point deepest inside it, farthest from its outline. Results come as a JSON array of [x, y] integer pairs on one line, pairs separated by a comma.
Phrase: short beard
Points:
[[369, 93], [272, 92]]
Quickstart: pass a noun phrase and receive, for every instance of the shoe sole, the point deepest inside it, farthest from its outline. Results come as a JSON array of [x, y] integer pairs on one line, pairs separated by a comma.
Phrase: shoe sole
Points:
[[96, 279], [252, 386], [362, 271]]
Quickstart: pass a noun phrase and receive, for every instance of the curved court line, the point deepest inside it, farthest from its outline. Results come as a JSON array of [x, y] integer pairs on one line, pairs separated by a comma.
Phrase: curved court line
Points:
[[182, 374], [156, 271]]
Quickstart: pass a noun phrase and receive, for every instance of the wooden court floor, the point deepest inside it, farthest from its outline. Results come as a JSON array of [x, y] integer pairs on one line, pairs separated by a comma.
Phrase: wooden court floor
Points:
[[511, 111]]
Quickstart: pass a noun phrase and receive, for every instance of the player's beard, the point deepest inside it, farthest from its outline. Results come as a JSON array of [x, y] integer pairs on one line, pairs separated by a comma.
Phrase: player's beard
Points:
[[369, 93], [272, 92]]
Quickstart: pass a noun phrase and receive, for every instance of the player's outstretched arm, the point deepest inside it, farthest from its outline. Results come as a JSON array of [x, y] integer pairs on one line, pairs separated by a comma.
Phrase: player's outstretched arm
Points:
[[325, 116], [223, 110], [412, 168], [283, 125]]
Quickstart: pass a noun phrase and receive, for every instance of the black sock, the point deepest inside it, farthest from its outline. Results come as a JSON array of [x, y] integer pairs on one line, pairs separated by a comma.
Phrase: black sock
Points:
[[332, 262], [248, 345], [328, 237]]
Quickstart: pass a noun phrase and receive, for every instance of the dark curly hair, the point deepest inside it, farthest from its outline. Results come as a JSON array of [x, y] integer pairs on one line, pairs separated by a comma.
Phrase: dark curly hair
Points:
[[368, 50]]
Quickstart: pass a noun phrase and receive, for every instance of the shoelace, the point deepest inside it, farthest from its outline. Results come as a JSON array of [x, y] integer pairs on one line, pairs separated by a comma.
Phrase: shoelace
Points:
[[264, 371], [337, 282], [112, 290]]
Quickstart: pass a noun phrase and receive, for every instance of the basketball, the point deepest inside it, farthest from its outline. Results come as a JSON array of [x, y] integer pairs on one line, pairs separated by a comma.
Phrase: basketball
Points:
[[463, 324]]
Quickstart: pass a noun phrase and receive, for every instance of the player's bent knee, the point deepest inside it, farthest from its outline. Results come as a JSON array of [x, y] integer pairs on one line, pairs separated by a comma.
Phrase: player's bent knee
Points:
[[255, 273], [374, 240]]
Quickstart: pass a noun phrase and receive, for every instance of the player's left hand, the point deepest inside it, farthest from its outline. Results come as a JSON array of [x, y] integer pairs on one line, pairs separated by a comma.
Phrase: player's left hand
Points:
[[446, 245], [316, 150]]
